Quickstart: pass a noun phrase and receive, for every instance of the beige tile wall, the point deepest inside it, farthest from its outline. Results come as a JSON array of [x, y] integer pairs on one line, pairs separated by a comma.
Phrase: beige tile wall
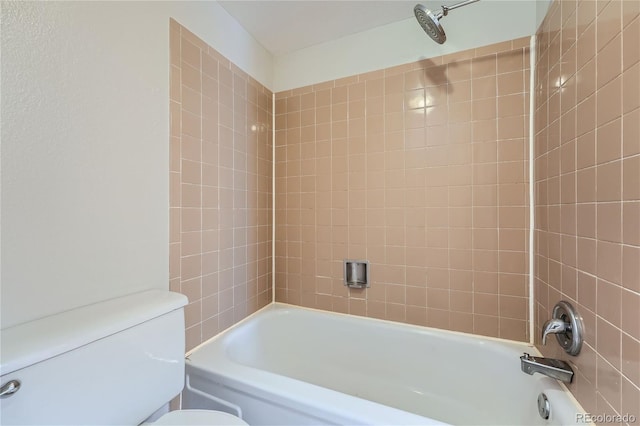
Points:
[[422, 170], [587, 165], [220, 187]]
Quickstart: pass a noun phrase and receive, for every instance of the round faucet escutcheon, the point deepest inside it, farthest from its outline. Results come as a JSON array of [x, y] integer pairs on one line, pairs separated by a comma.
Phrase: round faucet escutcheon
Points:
[[568, 327]]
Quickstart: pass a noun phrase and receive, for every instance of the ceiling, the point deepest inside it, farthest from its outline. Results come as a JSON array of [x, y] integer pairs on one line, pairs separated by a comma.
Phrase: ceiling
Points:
[[285, 26]]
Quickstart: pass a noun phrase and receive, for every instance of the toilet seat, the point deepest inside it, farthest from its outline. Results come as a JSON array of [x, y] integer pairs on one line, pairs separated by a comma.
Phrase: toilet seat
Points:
[[198, 417]]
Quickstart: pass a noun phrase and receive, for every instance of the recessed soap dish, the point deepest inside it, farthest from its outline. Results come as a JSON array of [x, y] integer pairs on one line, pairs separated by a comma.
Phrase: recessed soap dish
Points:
[[356, 273]]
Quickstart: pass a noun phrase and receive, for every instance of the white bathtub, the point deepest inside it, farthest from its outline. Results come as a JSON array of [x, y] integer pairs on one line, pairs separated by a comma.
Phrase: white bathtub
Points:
[[291, 365]]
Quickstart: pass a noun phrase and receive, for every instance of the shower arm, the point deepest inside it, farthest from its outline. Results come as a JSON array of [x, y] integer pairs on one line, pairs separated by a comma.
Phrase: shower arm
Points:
[[446, 9]]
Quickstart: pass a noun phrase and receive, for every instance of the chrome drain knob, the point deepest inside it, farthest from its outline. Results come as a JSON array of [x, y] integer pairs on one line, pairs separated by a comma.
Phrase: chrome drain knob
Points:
[[544, 408]]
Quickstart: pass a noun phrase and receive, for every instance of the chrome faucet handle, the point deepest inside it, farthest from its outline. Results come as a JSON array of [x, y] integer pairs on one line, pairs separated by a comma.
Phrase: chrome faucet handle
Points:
[[568, 327], [554, 326]]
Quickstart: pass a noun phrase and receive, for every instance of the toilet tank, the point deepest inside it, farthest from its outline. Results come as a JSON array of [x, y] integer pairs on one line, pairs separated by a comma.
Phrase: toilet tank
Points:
[[113, 362]]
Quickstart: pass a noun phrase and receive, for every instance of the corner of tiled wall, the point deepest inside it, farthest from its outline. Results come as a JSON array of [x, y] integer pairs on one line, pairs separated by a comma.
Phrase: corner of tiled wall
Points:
[[587, 167], [220, 187]]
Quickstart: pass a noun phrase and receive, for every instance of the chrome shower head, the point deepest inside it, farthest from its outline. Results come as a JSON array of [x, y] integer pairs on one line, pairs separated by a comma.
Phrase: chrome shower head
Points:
[[430, 22]]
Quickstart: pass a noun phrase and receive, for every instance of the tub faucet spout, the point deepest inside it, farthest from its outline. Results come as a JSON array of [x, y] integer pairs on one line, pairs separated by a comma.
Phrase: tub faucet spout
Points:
[[554, 368], [554, 326]]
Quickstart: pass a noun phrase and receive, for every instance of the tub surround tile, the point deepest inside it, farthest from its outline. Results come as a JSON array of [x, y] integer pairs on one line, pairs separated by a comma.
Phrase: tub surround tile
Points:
[[421, 170], [220, 255], [603, 194]]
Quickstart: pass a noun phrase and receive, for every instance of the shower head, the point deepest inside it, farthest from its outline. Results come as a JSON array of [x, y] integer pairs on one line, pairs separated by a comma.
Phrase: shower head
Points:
[[430, 22]]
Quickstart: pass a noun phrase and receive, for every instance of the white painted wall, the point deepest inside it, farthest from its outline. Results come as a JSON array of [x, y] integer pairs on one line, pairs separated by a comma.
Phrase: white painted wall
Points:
[[85, 146], [478, 24]]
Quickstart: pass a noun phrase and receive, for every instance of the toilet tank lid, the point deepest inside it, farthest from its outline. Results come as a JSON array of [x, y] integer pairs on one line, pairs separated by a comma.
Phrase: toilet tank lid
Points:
[[35, 341]]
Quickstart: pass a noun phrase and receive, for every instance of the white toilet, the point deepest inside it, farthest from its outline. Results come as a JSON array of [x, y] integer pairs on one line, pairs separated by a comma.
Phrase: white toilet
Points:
[[115, 362]]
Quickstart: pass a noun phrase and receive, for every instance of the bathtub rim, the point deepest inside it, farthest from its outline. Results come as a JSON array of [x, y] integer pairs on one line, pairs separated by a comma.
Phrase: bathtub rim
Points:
[[341, 403]]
